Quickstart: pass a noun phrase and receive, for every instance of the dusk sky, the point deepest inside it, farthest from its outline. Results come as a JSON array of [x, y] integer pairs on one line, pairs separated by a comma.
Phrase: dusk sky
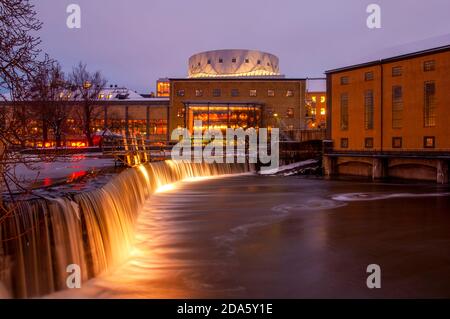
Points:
[[136, 42]]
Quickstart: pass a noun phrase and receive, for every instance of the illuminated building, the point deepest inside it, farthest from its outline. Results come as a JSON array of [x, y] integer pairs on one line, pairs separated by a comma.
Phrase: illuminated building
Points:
[[316, 110], [118, 110], [233, 63], [238, 89], [163, 88], [389, 118]]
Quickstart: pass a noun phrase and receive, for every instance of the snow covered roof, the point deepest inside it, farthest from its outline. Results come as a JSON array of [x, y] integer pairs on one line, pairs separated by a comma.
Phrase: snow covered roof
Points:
[[106, 94], [120, 94]]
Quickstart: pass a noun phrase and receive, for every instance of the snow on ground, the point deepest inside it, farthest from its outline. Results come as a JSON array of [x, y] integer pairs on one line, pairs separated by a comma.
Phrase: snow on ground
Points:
[[61, 167], [287, 168]]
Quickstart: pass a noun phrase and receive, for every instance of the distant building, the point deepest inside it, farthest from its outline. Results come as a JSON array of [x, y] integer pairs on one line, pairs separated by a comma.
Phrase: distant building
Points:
[[163, 87], [390, 118], [238, 89], [116, 109]]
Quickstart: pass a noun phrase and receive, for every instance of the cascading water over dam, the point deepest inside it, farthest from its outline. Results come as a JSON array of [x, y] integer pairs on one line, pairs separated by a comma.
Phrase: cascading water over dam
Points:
[[40, 238]]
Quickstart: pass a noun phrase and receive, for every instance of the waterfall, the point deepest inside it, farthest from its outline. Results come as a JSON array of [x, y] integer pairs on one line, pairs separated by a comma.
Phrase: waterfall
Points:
[[39, 238]]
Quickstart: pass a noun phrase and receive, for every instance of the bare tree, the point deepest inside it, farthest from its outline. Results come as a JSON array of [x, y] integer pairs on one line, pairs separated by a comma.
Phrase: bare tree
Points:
[[19, 54], [18, 47], [87, 87], [50, 94]]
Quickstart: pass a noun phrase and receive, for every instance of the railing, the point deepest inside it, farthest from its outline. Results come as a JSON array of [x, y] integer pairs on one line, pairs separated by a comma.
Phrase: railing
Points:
[[310, 135], [134, 150]]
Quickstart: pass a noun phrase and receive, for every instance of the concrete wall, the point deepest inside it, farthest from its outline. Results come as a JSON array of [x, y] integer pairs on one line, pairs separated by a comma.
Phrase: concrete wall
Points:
[[388, 167]]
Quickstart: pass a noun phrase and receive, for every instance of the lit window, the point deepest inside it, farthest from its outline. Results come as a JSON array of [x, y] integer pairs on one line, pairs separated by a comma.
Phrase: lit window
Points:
[[429, 142], [289, 93], [314, 99], [101, 96], [323, 111], [252, 92], [322, 99], [270, 93], [198, 93]]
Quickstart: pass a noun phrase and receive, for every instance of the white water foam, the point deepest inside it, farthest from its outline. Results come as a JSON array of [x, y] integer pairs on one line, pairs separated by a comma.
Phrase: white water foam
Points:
[[355, 197]]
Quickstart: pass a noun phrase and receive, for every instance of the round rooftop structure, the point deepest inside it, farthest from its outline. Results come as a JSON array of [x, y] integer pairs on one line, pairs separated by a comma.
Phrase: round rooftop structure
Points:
[[233, 63]]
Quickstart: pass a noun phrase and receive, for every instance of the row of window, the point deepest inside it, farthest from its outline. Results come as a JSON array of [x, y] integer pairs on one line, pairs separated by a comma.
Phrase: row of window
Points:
[[233, 93], [397, 142], [428, 66], [429, 107], [289, 113], [234, 60]]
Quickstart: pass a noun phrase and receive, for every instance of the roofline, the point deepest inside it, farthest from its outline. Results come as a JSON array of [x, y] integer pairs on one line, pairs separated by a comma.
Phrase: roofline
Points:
[[392, 59], [148, 102], [237, 79]]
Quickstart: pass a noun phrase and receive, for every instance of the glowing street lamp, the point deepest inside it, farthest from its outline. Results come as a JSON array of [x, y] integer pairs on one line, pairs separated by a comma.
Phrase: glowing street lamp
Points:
[[87, 85]]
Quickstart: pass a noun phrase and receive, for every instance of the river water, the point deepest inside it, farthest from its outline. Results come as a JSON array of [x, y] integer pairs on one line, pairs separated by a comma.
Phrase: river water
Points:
[[252, 236]]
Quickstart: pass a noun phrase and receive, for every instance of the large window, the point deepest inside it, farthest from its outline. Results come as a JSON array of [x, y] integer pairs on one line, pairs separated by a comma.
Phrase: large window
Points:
[[397, 106], [344, 111], [252, 92], [270, 93], [368, 110], [198, 93], [429, 111]]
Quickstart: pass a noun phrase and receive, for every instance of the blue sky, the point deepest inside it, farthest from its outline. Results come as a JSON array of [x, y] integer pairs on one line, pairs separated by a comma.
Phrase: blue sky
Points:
[[137, 41]]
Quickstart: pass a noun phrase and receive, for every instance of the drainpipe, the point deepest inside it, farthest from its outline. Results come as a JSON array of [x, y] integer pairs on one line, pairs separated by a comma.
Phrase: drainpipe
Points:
[[381, 105]]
